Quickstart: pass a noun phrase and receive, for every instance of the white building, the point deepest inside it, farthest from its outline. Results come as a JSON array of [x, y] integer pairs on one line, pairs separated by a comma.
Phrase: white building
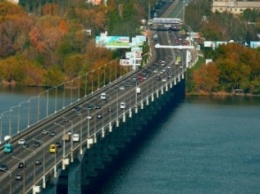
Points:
[[234, 6]]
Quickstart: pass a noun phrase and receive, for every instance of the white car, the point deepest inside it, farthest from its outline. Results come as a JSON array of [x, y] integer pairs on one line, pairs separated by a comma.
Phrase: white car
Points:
[[89, 117], [122, 105], [21, 141], [121, 88], [164, 80]]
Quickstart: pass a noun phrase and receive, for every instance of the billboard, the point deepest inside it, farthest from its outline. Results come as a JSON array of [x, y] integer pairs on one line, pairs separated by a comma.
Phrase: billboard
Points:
[[113, 41]]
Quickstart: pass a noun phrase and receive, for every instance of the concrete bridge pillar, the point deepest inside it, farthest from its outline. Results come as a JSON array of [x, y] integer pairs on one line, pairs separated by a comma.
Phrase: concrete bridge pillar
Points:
[[95, 138], [162, 91], [170, 84], [102, 132], [147, 101], [71, 156], [130, 113], [152, 97], [179, 78], [166, 87], [182, 75], [89, 142], [110, 127], [142, 104], [124, 117], [175, 82], [55, 170], [136, 108], [117, 122], [43, 181], [157, 93]]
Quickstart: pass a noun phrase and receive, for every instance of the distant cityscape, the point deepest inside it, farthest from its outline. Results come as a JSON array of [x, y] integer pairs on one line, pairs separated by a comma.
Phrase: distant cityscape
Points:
[[233, 6]]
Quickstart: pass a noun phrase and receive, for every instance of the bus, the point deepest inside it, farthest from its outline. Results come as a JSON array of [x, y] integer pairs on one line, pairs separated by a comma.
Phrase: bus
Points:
[[178, 61]]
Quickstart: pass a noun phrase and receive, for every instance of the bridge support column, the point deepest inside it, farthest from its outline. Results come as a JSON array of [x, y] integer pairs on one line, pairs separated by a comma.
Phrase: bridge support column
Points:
[[136, 108], [161, 90], [95, 138], [71, 156], [142, 104], [55, 171], [43, 181], [147, 101], [89, 142], [170, 84], [152, 97], [102, 132], [182, 75], [130, 113], [166, 87], [124, 117], [179, 78], [175, 82], [117, 122], [110, 127]]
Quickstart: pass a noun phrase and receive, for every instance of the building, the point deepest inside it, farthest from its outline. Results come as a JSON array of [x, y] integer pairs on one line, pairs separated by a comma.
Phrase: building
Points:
[[233, 6]]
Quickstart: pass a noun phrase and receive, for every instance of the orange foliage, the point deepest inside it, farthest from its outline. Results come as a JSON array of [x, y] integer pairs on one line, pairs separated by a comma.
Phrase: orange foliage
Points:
[[50, 9]]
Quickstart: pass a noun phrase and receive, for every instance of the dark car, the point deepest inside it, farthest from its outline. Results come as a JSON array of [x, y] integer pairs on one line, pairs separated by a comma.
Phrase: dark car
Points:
[[89, 107], [99, 115], [36, 144], [52, 134], [76, 108], [3, 167], [109, 109], [18, 177], [58, 144], [98, 106], [21, 165], [25, 145], [38, 162]]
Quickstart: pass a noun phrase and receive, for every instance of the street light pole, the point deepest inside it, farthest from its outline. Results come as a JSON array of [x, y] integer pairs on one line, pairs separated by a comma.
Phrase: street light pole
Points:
[[44, 165], [19, 159]]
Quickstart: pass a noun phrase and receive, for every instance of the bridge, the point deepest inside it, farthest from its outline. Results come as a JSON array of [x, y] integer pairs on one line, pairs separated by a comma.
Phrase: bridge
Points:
[[108, 115]]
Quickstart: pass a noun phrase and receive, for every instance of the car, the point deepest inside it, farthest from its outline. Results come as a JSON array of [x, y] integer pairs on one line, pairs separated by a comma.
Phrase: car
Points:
[[89, 107], [25, 145], [18, 177], [52, 134], [21, 165], [36, 144], [69, 132], [127, 85], [21, 141], [121, 88], [76, 108], [3, 167], [109, 109], [58, 144], [164, 80], [168, 67], [99, 115], [44, 132], [38, 162], [98, 106], [158, 78], [122, 105], [89, 117]]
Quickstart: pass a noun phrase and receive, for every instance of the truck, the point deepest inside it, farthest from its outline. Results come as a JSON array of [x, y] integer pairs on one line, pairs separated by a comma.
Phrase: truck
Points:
[[66, 137], [8, 148], [138, 90]]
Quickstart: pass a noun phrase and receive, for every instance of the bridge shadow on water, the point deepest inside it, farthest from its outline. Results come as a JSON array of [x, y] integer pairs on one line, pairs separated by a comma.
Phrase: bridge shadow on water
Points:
[[102, 162]]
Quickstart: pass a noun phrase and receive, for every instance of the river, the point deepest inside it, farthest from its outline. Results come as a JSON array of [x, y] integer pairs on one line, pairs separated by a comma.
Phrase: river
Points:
[[205, 145]]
